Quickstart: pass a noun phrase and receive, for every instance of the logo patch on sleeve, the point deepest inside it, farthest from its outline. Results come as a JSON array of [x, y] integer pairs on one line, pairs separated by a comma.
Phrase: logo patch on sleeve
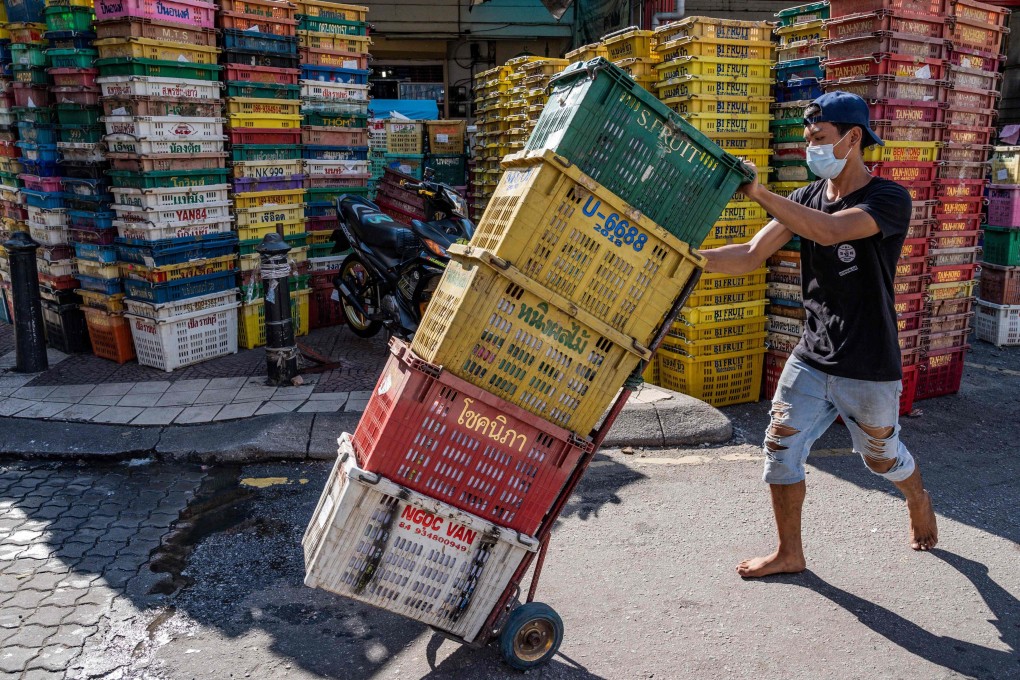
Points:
[[846, 253]]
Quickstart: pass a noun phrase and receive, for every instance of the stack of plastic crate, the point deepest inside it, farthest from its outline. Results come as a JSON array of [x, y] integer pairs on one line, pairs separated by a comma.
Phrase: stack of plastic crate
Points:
[[376, 153], [260, 56], [893, 54], [516, 105], [446, 141], [159, 79], [492, 94], [632, 49], [405, 158], [536, 83], [13, 216], [522, 350], [975, 33], [717, 75], [334, 81], [997, 315]]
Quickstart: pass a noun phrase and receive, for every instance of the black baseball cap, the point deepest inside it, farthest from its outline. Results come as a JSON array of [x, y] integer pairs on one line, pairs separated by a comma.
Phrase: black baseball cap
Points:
[[846, 108]]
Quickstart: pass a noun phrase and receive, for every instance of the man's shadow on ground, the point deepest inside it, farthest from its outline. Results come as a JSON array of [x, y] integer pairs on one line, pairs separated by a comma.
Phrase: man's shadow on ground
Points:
[[957, 655]]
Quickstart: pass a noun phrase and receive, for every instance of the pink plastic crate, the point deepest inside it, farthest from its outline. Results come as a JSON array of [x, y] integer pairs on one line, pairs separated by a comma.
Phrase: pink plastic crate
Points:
[[1004, 205], [187, 12]]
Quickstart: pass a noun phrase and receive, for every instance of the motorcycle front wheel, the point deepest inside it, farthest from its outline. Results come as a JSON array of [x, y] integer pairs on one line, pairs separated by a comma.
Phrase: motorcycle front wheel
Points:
[[358, 280]]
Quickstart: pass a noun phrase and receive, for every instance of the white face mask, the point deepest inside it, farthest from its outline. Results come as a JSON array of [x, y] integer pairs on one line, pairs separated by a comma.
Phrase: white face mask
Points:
[[822, 160]]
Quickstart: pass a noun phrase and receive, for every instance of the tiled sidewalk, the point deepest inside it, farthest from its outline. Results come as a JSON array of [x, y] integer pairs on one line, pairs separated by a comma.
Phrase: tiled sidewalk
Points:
[[87, 388]]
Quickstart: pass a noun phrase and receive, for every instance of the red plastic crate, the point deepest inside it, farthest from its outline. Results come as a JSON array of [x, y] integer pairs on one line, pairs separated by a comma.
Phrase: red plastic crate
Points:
[[265, 136], [323, 311], [965, 153], [856, 25], [910, 322], [1000, 285], [434, 433], [920, 228], [890, 87], [982, 37], [904, 172], [110, 335], [885, 42], [959, 134], [951, 307], [960, 207], [909, 389], [904, 66], [899, 111], [978, 12], [960, 188], [940, 373], [962, 170], [922, 210], [978, 60], [905, 131], [915, 247], [909, 340], [909, 285], [919, 191], [947, 225], [322, 223], [944, 240], [949, 324], [915, 266], [775, 362], [263, 74], [970, 118], [951, 274], [958, 97], [932, 8]]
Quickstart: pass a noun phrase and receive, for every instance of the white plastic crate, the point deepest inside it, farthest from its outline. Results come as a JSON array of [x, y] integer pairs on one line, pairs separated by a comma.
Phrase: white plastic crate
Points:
[[186, 339], [784, 291], [175, 197], [81, 153], [57, 267], [314, 89], [165, 127], [336, 168], [99, 270], [377, 134], [997, 324], [267, 169], [47, 218], [326, 264], [147, 231], [161, 88], [169, 310], [382, 544], [47, 236], [186, 213], [126, 143]]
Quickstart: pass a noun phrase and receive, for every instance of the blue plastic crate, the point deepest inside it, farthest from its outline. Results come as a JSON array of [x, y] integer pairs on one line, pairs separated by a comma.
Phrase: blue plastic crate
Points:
[[106, 286], [36, 134], [47, 153], [87, 189], [172, 291], [25, 11], [799, 89], [175, 251], [799, 68], [91, 204], [48, 169], [47, 200], [84, 219], [320, 209], [70, 39], [332, 74], [260, 42], [95, 253], [335, 153]]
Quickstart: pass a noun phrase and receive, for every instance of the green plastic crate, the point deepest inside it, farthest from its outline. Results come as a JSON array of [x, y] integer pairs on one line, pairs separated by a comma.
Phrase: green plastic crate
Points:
[[164, 179], [68, 18], [266, 152], [240, 88], [27, 54], [129, 66], [332, 26], [335, 120], [10, 179], [449, 169], [72, 58], [1002, 245], [30, 75], [330, 194], [787, 131], [39, 115], [73, 114], [808, 12], [624, 138], [81, 134]]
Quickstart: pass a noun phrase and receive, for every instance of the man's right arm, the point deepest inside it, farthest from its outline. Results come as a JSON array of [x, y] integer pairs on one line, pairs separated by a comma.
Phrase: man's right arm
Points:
[[746, 257]]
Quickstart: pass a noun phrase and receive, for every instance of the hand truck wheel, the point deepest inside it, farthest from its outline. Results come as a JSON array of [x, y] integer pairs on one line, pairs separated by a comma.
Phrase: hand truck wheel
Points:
[[531, 636]]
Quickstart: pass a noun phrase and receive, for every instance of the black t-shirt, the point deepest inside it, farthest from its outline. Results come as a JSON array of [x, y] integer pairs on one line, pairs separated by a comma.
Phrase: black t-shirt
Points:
[[850, 330]]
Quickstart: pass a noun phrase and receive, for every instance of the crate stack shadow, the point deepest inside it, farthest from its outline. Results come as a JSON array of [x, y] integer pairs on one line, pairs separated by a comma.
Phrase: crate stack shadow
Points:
[[171, 213], [577, 269]]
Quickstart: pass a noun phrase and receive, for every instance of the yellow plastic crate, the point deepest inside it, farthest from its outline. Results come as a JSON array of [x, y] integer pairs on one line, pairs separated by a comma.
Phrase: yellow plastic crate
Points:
[[811, 31], [564, 230], [261, 198], [145, 48], [258, 106], [269, 214], [251, 319], [726, 233], [720, 380], [913, 152], [251, 261], [720, 106], [951, 291], [544, 67], [711, 297], [651, 372], [331, 10], [718, 330], [639, 67], [517, 62], [714, 67], [717, 314], [586, 52], [713, 123], [717, 47], [737, 143], [264, 121], [706, 27], [710, 86], [706, 348], [506, 334], [628, 43], [787, 188], [259, 232], [355, 44], [176, 272]]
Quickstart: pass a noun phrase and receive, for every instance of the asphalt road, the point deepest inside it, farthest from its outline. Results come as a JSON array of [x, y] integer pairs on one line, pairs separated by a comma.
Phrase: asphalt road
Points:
[[641, 569]]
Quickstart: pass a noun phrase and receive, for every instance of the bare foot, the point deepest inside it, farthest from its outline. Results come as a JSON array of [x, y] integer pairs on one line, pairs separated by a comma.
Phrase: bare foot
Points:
[[756, 567], [924, 531]]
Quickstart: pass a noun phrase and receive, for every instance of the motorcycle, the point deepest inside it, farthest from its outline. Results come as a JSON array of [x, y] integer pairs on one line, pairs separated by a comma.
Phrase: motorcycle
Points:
[[389, 278]]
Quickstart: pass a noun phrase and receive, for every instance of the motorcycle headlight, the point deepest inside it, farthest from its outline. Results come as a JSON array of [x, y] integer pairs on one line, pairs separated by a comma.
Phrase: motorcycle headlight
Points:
[[458, 201]]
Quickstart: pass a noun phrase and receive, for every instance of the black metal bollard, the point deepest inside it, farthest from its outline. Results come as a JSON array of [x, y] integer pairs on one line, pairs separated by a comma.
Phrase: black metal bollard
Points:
[[29, 335], [281, 352]]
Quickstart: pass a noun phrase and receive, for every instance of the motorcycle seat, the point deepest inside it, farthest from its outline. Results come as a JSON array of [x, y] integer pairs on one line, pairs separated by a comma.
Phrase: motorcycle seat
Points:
[[377, 229]]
